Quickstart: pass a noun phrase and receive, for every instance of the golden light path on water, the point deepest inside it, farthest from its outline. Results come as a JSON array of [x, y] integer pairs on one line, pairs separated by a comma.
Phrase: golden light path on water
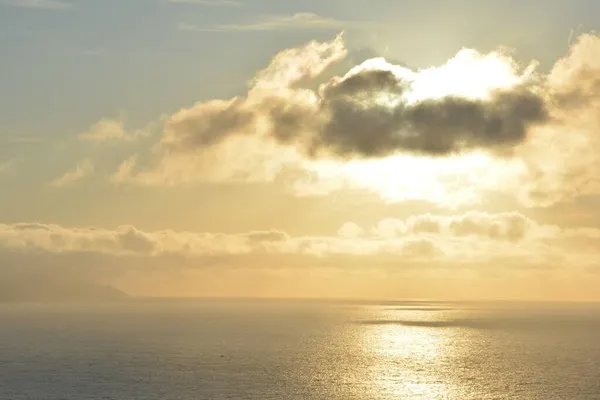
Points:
[[410, 362]]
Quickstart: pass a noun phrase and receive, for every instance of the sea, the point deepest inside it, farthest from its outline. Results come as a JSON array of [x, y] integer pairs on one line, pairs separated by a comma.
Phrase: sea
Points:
[[279, 349]]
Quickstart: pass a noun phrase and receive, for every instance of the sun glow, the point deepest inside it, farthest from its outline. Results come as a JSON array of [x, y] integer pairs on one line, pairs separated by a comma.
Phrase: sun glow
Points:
[[452, 181], [469, 74]]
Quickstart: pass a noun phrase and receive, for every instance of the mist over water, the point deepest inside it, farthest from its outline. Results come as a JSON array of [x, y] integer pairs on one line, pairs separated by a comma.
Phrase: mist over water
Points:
[[158, 349]]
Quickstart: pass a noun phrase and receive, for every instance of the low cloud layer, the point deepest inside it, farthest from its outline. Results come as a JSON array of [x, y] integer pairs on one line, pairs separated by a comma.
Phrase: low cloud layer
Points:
[[424, 235], [411, 254]]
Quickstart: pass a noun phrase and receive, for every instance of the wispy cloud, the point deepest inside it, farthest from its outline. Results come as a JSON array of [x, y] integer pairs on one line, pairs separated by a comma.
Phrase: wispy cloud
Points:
[[112, 129], [209, 3], [83, 169], [43, 4], [274, 23]]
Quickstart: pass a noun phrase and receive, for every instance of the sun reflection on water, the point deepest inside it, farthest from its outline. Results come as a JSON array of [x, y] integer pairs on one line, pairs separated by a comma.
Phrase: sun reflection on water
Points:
[[409, 362]]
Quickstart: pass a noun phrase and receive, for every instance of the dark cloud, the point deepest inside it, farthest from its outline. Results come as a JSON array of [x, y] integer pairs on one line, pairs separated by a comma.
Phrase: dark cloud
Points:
[[359, 126]]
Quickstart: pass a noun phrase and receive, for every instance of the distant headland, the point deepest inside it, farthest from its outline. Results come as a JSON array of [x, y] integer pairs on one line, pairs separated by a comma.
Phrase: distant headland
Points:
[[38, 289]]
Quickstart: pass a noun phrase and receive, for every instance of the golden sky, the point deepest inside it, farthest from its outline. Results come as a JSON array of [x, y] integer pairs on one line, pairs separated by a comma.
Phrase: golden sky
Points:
[[351, 160]]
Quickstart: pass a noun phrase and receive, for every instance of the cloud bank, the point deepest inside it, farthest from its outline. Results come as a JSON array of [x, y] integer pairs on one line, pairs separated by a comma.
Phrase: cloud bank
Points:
[[393, 254], [474, 235]]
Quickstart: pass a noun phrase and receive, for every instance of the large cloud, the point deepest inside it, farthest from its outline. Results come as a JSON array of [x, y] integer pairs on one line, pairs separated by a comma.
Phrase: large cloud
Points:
[[477, 119], [369, 112]]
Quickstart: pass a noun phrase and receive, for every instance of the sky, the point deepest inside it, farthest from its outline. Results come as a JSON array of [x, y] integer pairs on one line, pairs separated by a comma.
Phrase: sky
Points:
[[372, 149]]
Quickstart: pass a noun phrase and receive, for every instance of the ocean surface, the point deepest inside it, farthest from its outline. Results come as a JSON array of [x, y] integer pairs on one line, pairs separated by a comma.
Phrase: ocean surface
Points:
[[262, 350]]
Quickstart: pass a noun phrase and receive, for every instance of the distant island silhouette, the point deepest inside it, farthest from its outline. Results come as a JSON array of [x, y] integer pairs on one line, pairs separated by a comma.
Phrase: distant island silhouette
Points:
[[42, 289]]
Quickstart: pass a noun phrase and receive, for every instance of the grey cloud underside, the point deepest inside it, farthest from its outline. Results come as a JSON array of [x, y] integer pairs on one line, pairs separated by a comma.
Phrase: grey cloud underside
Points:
[[451, 124], [350, 120]]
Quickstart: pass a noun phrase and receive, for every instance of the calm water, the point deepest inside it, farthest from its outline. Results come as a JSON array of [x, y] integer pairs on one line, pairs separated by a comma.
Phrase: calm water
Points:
[[256, 350]]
